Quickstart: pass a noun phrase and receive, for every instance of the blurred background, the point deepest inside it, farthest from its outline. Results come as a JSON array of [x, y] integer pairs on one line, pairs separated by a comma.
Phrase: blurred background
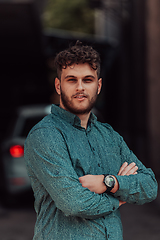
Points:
[[126, 33]]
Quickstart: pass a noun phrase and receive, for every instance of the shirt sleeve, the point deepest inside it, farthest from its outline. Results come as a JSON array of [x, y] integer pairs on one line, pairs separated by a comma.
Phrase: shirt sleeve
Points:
[[136, 189], [48, 162]]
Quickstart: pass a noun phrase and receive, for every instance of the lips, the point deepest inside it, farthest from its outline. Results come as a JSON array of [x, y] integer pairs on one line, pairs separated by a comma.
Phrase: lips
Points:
[[80, 96]]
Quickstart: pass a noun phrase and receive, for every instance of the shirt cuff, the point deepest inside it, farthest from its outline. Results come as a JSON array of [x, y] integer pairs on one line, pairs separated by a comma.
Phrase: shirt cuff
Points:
[[123, 185]]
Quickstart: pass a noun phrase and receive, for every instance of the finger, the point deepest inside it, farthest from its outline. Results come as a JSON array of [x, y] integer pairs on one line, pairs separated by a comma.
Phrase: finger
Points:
[[128, 169], [124, 165], [132, 171], [121, 203], [80, 179]]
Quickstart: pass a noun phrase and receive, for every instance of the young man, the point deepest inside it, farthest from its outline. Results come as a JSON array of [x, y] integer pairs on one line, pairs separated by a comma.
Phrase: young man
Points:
[[81, 170]]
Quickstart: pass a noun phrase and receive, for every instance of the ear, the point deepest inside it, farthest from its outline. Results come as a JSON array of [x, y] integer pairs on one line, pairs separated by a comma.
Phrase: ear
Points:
[[99, 85], [57, 86]]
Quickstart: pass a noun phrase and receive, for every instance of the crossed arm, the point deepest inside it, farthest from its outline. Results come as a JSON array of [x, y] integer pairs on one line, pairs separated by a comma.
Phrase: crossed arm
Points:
[[48, 161], [95, 182]]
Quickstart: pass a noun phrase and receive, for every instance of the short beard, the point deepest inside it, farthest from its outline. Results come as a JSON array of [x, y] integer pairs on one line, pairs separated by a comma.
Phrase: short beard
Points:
[[68, 106]]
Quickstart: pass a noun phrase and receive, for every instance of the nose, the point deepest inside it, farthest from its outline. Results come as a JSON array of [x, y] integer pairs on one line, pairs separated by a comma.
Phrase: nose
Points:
[[80, 85]]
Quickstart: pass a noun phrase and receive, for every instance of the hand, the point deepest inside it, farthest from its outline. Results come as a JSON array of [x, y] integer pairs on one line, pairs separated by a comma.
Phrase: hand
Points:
[[126, 169], [94, 183]]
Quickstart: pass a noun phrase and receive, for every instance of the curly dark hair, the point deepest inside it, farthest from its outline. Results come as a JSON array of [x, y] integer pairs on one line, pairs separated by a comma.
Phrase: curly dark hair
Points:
[[76, 54]]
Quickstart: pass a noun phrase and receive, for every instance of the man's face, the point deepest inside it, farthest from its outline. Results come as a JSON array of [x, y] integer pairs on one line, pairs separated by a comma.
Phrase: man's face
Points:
[[78, 88]]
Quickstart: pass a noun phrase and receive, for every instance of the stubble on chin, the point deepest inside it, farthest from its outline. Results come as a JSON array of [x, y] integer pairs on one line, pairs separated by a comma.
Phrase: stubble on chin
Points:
[[69, 105]]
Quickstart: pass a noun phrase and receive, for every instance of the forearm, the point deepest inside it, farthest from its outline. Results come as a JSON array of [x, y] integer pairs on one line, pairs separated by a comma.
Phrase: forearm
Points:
[[133, 187], [137, 189], [95, 183], [129, 186], [88, 205]]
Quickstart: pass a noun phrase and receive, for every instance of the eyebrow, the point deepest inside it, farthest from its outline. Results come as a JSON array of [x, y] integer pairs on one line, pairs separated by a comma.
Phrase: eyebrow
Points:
[[70, 76], [87, 76]]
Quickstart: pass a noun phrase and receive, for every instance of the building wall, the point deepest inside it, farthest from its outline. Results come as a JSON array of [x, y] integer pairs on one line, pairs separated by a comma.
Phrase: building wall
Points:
[[153, 74]]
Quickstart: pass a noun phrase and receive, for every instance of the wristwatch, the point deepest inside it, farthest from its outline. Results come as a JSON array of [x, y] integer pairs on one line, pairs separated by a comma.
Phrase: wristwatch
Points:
[[109, 181]]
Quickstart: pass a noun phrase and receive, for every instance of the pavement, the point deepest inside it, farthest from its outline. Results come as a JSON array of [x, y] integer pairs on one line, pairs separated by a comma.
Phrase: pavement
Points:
[[142, 222]]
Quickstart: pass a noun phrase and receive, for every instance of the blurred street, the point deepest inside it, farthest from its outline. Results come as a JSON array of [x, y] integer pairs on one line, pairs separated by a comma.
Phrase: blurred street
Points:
[[17, 224], [139, 222], [142, 222]]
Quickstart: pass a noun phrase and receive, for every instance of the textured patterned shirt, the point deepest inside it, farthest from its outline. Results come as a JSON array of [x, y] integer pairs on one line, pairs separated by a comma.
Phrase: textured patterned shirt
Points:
[[57, 152]]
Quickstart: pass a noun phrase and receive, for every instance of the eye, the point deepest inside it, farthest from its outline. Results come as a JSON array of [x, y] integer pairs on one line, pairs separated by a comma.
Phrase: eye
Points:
[[87, 80], [72, 80]]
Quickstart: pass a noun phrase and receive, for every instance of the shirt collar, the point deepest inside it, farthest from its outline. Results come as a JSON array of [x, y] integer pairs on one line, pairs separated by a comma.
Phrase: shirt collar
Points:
[[70, 117]]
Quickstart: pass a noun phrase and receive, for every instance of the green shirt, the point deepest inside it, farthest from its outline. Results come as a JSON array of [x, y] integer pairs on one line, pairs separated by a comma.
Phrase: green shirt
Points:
[[57, 152]]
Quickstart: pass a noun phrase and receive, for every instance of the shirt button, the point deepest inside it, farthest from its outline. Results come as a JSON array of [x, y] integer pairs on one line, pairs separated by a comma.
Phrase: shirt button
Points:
[[113, 208]]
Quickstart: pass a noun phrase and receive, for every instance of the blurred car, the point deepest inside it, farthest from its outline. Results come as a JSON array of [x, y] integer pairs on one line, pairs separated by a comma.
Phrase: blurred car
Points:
[[16, 179]]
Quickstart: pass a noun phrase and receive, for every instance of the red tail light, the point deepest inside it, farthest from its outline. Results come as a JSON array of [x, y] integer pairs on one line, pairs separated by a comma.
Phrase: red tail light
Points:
[[17, 151]]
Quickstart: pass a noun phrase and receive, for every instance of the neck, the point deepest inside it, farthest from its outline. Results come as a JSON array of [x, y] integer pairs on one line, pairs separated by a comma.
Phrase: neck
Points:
[[84, 119]]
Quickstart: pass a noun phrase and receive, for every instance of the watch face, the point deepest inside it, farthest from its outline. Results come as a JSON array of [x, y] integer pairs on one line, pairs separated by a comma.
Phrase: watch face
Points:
[[109, 181]]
